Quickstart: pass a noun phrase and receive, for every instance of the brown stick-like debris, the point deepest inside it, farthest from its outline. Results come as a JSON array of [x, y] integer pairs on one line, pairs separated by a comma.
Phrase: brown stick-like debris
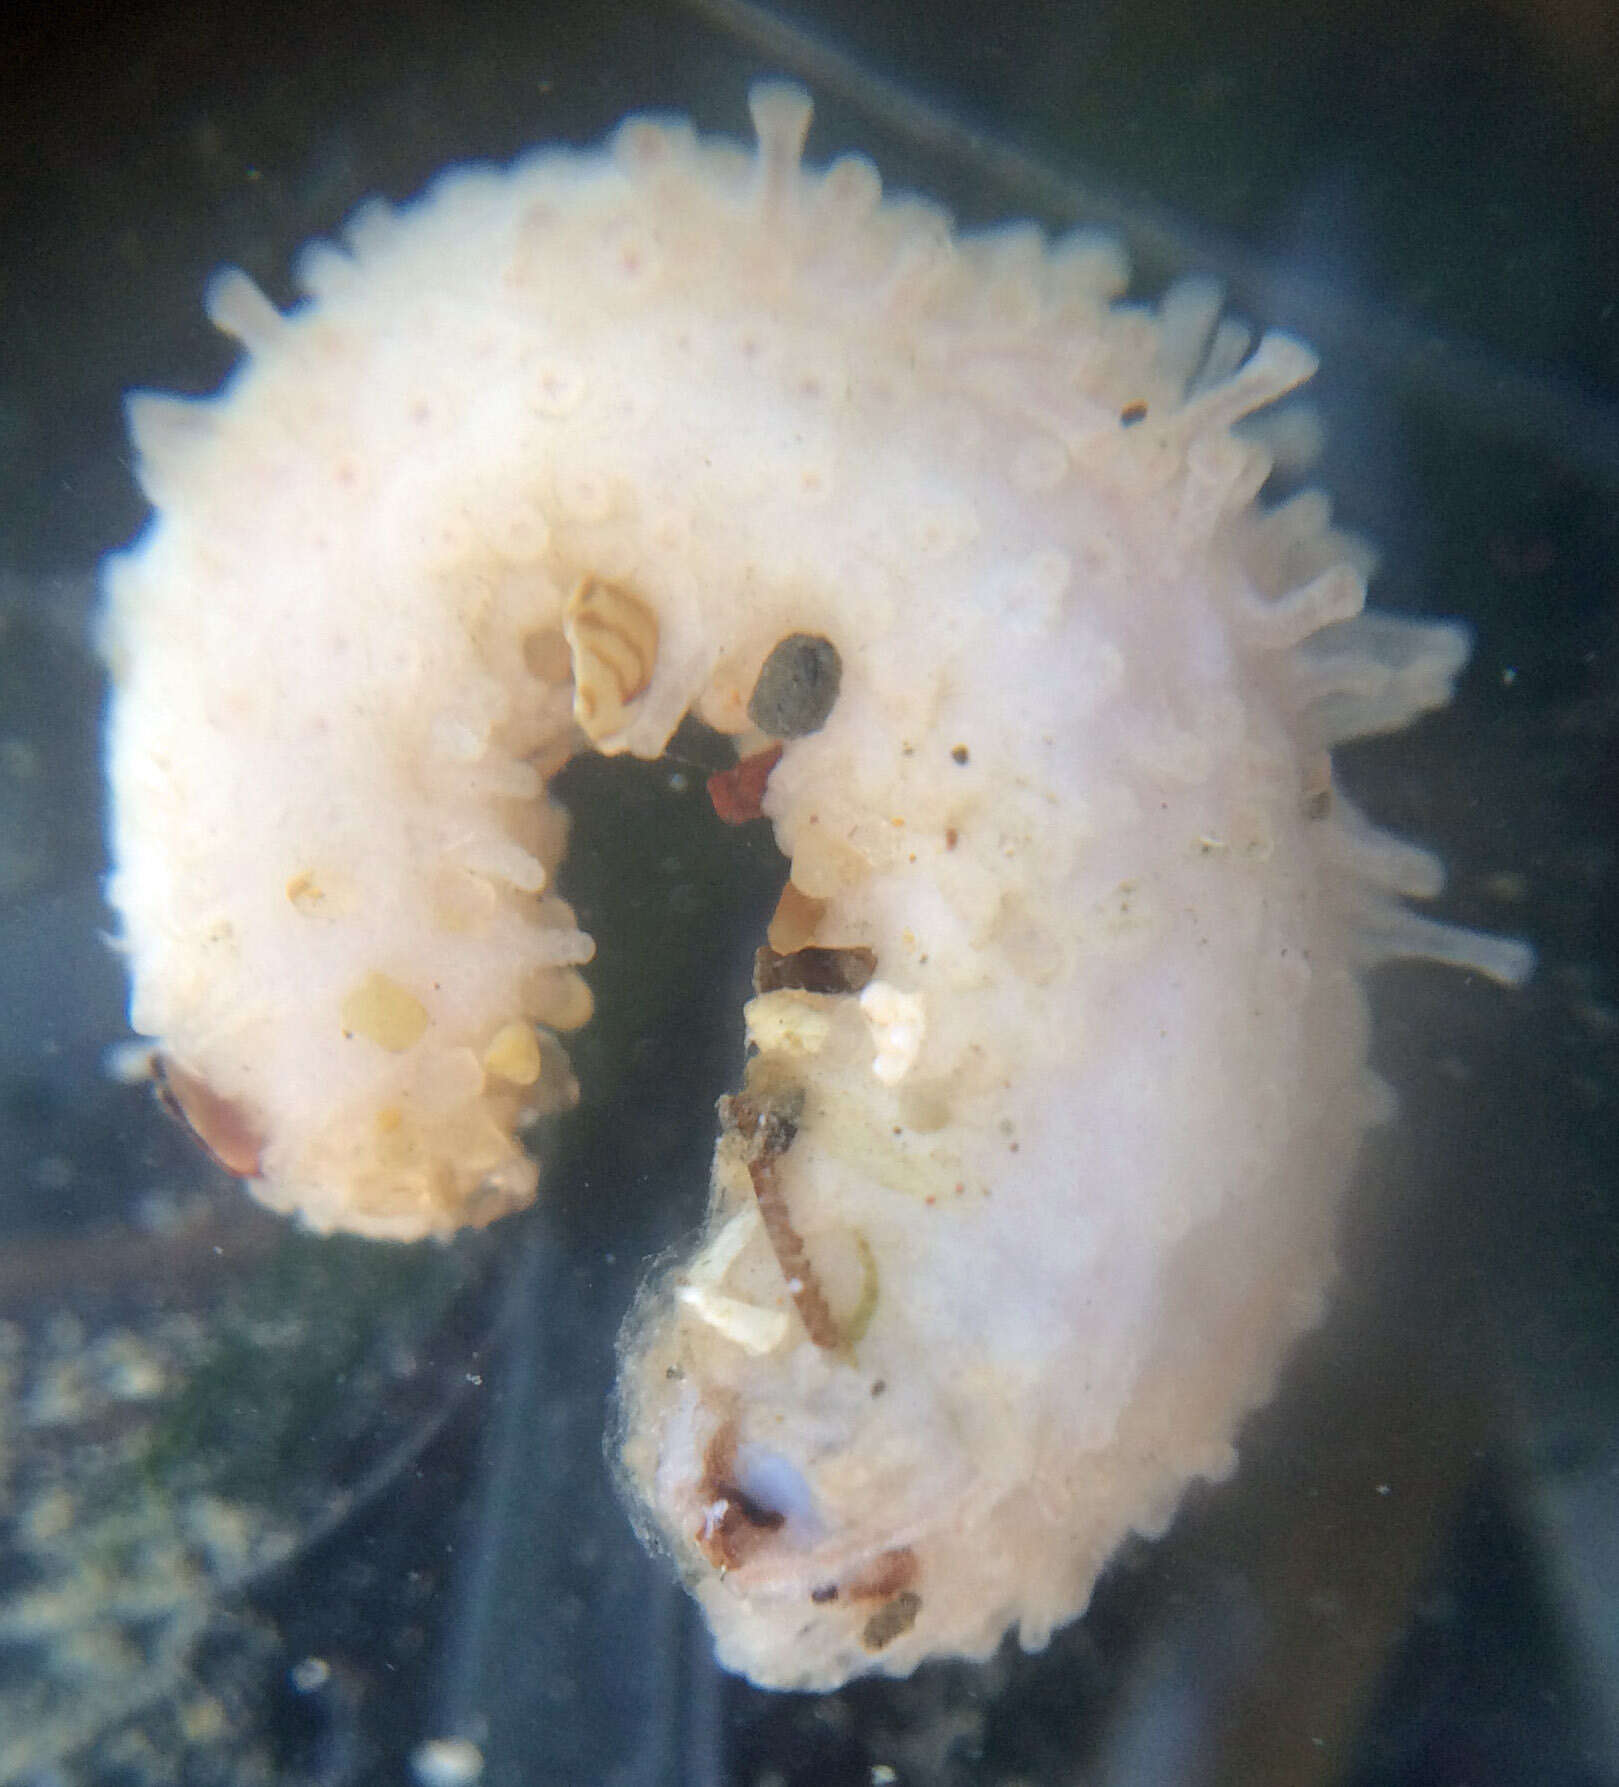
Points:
[[767, 1127]]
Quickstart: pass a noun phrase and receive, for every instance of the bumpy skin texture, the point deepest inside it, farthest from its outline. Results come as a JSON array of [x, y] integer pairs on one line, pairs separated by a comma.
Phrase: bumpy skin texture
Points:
[[1033, 1176]]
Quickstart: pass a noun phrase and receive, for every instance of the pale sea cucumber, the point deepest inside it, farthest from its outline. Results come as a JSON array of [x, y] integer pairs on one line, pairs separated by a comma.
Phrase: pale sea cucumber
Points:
[[1058, 1054]]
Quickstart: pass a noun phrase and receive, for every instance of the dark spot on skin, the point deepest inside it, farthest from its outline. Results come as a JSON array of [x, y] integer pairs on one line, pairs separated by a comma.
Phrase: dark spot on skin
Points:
[[960, 754], [813, 970], [828, 1591], [951, 838], [1133, 413], [1318, 805], [797, 688], [891, 1622]]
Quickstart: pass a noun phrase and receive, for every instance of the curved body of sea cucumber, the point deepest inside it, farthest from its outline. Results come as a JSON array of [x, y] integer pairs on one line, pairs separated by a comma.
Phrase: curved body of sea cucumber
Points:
[[1035, 1171]]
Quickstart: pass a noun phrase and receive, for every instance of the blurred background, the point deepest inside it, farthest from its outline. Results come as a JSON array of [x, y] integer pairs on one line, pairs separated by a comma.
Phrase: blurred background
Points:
[[280, 1509]]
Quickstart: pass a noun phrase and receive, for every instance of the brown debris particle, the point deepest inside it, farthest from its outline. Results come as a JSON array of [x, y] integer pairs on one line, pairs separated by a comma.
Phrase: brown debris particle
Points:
[[223, 1128], [813, 970], [767, 1122], [738, 793], [733, 1523], [891, 1622], [888, 1574]]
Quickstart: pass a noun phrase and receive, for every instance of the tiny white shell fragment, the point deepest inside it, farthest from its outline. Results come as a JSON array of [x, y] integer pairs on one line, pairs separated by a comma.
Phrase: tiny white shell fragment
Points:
[[753, 1328], [897, 1024], [723, 1250]]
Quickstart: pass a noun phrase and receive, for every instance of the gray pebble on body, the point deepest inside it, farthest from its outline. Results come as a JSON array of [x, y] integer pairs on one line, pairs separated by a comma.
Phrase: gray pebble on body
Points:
[[797, 688]]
